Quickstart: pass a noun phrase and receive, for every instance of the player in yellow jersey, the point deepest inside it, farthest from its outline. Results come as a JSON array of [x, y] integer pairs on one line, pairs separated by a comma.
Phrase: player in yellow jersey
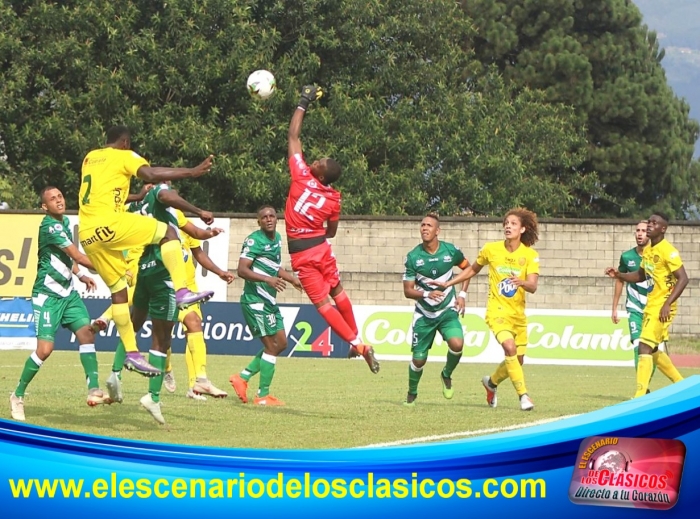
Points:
[[196, 350], [105, 230], [665, 274], [514, 268]]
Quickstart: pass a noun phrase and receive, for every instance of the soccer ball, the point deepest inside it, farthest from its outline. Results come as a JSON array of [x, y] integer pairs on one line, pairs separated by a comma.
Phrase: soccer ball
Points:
[[261, 84]]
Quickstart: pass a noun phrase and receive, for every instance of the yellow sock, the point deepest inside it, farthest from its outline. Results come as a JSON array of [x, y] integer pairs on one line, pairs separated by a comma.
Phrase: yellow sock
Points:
[[665, 365], [515, 372], [500, 374], [171, 251], [198, 348], [168, 364], [108, 314], [645, 365], [191, 375], [122, 321]]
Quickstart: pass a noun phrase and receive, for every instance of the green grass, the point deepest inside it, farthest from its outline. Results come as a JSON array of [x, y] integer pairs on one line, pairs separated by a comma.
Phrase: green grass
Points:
[[330, 403]]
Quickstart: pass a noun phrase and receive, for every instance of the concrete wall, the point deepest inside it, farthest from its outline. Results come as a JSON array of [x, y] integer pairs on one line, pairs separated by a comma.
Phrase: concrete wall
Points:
[[573, 255]]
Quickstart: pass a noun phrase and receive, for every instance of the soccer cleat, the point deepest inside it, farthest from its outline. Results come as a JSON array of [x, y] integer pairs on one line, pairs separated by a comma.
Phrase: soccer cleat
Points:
[[136, 362], [240, 386], [410, 400], [205, 387], [194, 396], [97, 397], [100, 324], [152, 407], [114, 388], [447, 390], [368, 354], [169, 382], [526, 403], [185, 298], [268, 400], [17, 407], [491, 398]]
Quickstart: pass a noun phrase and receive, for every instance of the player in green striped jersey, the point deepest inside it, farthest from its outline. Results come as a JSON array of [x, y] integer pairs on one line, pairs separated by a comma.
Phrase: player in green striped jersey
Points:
[[260, 265], [436, 310], [56, 302], [636, 293]]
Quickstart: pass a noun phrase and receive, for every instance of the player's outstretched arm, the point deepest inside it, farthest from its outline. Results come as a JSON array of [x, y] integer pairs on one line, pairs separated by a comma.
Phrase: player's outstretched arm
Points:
[[468, 273], [309, 94], [206, 262], [170, 198], [291, 278], [137, 197], [200, 234], [77, 256], [628, 277], [160, 174]]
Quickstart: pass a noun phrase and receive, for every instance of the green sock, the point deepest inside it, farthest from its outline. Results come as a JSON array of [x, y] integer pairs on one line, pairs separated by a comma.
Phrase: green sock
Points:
[[414, 375], [119, 358], [31, 368], [451, 363], [88, 358], [157, 360], [252, 368], [267, 371]]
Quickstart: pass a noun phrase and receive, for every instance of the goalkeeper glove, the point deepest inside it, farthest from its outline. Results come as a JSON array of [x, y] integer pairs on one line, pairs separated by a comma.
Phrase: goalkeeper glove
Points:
[[309, 94]]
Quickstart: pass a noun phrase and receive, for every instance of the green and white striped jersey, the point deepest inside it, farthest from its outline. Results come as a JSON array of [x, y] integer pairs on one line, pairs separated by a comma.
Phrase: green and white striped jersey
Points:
[[423, 268], [630, 261], [54, 273], [266, 255], [151, 261]]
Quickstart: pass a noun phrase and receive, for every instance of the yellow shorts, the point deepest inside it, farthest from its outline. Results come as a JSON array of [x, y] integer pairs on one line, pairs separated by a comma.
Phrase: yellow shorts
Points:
[[104, 243], [654, 332], [505, 327]]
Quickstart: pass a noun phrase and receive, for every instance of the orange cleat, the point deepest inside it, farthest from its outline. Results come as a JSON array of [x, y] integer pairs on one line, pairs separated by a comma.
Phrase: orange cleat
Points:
[[240, 386], [268, 400]]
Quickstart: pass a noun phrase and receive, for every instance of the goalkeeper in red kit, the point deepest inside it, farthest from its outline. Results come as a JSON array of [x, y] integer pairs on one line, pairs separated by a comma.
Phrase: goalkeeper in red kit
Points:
[[311, 216]]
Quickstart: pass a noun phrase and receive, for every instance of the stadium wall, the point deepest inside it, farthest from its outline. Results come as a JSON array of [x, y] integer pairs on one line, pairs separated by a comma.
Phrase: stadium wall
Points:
[[371, 251], [573, 255]]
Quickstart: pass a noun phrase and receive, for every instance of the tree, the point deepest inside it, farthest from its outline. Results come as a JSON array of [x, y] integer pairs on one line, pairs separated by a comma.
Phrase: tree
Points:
[[597, 57], [409, 113]]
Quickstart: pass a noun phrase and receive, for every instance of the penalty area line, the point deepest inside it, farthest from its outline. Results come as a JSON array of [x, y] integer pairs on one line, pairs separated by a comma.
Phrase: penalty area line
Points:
[[465, 434]]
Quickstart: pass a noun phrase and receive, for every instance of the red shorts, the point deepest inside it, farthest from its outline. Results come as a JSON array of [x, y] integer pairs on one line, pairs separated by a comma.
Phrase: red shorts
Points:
[[317, 270]]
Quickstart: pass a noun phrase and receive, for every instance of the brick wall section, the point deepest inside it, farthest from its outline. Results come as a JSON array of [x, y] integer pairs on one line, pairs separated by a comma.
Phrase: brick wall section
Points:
[[573, 255]]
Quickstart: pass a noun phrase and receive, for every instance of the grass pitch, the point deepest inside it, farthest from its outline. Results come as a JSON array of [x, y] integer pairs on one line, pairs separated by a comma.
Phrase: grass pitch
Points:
[[331, 403]]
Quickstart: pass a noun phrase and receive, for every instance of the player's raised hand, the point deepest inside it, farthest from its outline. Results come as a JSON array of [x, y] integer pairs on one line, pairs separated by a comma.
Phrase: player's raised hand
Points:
[[611, 272], [309, 94], [203, 167], [207, 218], [215, 232]]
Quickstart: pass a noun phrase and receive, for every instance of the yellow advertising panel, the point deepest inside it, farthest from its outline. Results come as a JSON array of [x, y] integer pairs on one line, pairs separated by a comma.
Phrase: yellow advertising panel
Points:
[[18, 253]]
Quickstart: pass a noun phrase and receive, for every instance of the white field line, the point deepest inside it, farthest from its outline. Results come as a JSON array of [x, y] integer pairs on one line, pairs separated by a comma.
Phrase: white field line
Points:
[[466, 434]]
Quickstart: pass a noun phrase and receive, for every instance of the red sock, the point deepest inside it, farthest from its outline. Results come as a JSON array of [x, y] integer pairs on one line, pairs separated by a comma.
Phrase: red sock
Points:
[[344, 306], [337, 323]]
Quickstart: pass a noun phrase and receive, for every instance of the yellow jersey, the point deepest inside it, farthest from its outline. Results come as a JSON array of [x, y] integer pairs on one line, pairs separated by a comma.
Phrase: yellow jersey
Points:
[[188, 243], [505, 299], [105, 178], [659, 262]]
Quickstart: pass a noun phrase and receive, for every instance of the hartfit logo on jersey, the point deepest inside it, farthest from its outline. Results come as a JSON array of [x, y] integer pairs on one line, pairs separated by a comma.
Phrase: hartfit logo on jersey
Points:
[[101, 234]]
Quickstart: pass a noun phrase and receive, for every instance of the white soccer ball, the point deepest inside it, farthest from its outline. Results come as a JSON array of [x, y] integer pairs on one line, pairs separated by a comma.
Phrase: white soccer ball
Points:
[[261, 84]]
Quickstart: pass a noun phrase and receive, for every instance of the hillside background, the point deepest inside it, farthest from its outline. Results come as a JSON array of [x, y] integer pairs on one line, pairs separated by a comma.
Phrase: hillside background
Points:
[[677, 23]]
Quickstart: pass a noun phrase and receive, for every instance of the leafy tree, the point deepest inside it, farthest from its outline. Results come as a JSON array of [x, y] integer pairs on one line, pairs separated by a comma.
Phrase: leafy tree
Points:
[[597, 57]]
